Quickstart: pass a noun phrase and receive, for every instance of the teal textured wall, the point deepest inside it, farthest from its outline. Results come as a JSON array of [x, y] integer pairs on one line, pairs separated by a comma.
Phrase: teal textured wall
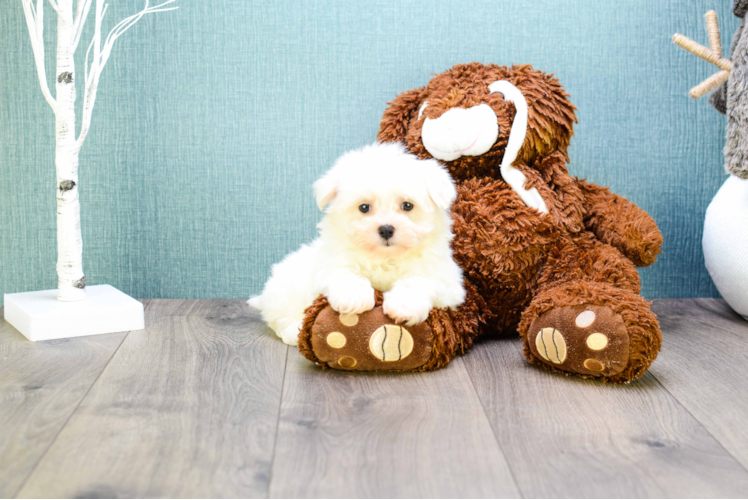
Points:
[[213, 121]]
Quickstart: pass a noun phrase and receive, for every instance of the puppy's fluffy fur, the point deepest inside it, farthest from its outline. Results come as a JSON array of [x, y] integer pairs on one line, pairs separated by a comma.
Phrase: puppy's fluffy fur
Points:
[[413, 267]]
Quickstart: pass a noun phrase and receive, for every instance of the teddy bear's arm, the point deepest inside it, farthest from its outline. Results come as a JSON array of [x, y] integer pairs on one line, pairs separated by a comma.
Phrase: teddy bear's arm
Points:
[[621, 224]]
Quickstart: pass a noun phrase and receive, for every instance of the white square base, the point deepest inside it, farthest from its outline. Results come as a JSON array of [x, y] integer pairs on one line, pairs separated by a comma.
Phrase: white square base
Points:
[[40, 316]]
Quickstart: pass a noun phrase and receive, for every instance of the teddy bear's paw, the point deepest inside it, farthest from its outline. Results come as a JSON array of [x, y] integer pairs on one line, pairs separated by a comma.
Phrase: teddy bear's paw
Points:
[[587, 340], [371, 341]]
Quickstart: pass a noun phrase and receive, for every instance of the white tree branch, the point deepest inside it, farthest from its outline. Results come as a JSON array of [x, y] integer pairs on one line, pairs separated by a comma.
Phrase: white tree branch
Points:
[[102, 53], [54, 5], [40, 22], [128, 23], [92, 78], [82, 7], [35, 25]]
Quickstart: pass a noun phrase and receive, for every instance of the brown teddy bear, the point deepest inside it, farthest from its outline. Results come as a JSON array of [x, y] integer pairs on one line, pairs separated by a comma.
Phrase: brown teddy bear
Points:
[[543, 253]]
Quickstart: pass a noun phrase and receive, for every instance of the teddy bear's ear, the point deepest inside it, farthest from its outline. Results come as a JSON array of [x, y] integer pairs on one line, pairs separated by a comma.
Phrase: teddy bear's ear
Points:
[[439, 184], [397, 116], [551, 114]]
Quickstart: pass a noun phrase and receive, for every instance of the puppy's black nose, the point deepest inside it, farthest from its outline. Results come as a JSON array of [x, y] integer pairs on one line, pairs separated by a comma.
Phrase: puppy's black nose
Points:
[[386, 232]]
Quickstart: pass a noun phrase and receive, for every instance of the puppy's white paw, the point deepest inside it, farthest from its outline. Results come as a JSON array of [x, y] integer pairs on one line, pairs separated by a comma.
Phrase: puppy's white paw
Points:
[[452, 296], [406, 308], [352, 298], [290, 335]]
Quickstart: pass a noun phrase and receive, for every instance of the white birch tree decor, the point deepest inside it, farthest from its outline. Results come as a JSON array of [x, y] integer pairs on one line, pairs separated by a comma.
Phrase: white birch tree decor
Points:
[[62, 313], [71, 18]]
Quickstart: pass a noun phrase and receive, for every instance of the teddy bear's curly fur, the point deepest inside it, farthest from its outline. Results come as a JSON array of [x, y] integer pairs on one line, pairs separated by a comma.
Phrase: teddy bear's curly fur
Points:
[[565, 280]]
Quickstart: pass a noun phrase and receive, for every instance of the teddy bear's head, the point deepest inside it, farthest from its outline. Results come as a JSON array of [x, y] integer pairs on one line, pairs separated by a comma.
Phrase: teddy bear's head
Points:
[[473, 114]]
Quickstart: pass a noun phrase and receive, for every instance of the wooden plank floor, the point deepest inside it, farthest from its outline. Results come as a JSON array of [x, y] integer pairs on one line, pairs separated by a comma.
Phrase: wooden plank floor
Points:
[[205, 402]]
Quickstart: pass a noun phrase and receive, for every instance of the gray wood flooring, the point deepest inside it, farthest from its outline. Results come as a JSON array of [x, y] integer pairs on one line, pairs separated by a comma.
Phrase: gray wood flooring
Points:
[[205, 402]]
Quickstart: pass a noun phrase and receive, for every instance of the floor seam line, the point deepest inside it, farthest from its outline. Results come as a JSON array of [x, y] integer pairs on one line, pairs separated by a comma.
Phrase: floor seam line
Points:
[[67, 421], [699, 301], [737, 460], [277, 422], [493, 431]]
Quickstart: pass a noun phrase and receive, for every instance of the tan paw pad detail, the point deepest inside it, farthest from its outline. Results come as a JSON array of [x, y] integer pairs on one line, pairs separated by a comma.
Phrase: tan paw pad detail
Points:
[[585, 319], [391, 343], [336, 340], [349, 319], [551, 345], [594, 365], [347, 362], [597, 341]]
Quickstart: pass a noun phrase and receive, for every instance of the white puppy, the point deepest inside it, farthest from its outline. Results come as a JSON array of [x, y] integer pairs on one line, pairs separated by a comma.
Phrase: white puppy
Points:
[[387, 227]]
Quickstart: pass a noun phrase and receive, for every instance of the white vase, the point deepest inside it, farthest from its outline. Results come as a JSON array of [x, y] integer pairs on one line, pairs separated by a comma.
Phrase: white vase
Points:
[[726, 243]]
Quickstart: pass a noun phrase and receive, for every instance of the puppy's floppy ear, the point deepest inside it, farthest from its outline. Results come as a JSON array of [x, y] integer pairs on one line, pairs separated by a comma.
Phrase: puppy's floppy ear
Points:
[[439, 184], [326, 188]]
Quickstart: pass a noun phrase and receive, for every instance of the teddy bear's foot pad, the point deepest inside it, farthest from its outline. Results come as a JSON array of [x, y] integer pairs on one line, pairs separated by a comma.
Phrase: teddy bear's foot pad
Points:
[[369, 342], [587, 340]]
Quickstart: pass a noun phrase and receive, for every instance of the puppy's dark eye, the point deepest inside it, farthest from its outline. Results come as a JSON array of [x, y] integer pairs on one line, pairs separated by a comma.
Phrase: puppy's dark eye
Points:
[[364, 208], [407, 206]]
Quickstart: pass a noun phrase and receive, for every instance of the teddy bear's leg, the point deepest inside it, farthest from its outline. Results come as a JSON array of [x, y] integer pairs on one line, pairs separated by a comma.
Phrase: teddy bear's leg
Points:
[[374, 342], [587, 317]]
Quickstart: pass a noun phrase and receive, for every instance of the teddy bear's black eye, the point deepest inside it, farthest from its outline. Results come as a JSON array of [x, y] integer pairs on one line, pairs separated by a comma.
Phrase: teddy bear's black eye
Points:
[[407, 206], [364, 208]]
